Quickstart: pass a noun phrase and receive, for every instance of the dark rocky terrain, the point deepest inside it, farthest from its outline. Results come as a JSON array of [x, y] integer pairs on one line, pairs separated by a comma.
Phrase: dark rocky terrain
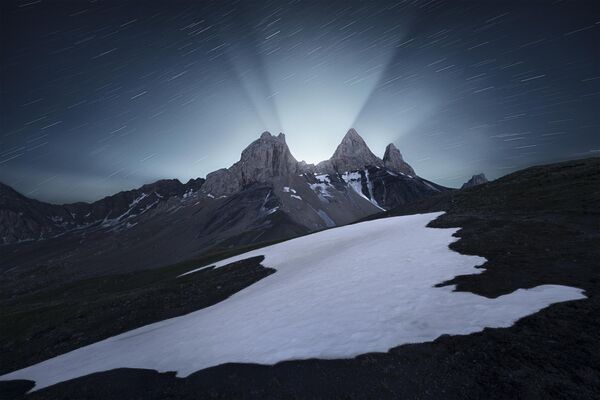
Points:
[[474, 181], [52, 322], [24, 219], [536, 226]]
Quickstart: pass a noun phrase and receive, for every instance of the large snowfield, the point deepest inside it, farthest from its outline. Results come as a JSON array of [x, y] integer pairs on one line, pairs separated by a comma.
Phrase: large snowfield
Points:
[[336, 294]]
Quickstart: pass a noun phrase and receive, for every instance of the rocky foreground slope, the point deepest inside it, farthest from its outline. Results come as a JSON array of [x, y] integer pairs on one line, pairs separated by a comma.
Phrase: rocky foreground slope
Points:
[[345, 291]]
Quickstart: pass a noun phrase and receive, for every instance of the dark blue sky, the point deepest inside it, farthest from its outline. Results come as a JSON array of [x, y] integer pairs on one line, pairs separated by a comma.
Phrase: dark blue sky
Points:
[[102, 96]]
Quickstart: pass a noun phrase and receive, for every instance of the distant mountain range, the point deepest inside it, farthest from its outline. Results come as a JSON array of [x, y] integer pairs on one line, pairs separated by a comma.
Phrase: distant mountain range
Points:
[[267, 195]]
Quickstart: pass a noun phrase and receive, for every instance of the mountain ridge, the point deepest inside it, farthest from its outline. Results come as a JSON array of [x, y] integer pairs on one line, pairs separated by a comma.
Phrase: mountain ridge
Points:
[[392, 160], [266, 195]]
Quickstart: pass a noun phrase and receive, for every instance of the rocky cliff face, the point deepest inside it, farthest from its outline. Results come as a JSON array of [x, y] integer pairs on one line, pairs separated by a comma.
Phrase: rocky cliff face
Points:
[[269, 158], [262, 161], [222, 182], [351, 154], [474, 181], [392, 159]]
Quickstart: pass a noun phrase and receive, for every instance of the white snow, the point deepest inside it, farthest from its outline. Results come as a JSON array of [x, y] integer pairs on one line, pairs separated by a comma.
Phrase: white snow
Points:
[[337, 293], [296, 197], [323, 178], [263, 209], [137, 200], [354, 180], [288, 190], [322, 188], [370, 189], [270, 211], [351, 176]]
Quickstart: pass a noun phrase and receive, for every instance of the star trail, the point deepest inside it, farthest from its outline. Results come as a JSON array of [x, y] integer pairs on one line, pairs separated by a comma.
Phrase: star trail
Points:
[[102, 96]]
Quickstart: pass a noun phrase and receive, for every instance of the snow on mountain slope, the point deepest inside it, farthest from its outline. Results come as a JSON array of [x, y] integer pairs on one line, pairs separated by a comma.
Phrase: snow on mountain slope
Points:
[[336, 294]]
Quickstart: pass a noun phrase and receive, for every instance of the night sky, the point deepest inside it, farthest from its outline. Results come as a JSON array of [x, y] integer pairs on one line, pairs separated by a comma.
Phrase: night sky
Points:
[[102, 96]]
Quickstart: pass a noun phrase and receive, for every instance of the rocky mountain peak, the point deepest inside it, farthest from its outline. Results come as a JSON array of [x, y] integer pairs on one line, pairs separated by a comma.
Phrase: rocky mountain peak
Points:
[[392, 159], [266, 136], [269, 152], [474, 181], [392, 152], [264, 159], [352, 153], [352, 135], [353, 145]]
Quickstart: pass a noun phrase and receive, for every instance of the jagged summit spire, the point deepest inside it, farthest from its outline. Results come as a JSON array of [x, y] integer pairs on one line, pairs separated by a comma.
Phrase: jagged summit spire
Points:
[[475, 180], [266, 135], [352, 134], [391, 149], [263, 160], [352, 153], [268, 158], [352, 145], [392, 159]]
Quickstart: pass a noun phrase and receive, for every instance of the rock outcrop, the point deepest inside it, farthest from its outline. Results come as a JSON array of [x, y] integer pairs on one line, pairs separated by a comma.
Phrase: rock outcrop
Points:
[[392, 159], [351, 154], [474, 181], [263, 160]]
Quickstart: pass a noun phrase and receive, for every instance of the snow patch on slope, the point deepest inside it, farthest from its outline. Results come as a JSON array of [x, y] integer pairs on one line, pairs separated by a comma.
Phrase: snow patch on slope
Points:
[[322, 188], [354, 180], [370, 189], [337, 293]]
